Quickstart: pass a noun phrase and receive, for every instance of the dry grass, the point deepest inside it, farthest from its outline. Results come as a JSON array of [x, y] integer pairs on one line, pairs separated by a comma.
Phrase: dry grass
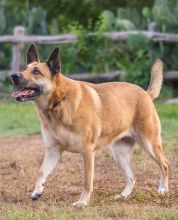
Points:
[[21, 157]]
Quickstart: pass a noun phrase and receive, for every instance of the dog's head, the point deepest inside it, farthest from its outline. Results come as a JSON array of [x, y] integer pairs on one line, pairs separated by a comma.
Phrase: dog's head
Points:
[[37, 79]]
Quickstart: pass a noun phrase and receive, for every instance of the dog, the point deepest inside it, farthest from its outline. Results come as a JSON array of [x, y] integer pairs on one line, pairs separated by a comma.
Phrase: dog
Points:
[[81, 117]]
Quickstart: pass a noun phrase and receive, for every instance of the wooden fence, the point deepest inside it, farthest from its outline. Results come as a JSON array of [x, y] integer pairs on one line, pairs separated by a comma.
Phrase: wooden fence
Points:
[[18, 39]]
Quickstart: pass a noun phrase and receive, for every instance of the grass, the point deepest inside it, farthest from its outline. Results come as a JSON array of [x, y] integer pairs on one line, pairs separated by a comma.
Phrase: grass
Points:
[[21, 119], [169, 119], [18, 118], [108, 212]]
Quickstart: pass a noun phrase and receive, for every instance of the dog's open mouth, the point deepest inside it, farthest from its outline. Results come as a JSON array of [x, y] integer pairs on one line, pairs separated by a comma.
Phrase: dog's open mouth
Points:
[[26, 94]]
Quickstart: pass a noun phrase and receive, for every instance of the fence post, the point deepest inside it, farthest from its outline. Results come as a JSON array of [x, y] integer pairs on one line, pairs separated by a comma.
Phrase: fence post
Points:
[[19, 31], [153, 26]]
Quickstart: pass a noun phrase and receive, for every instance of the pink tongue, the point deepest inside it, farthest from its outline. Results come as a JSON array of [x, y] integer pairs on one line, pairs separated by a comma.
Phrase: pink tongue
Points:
[[24, 92]]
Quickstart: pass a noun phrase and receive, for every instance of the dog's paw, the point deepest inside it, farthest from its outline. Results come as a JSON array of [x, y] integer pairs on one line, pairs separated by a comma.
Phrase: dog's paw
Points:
[[162, 190], [80, 203], [122, 195], [36, 195]]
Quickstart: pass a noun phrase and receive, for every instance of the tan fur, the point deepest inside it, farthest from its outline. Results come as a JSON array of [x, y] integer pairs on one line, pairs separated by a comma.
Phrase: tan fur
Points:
[[80, 117], [156, 79]]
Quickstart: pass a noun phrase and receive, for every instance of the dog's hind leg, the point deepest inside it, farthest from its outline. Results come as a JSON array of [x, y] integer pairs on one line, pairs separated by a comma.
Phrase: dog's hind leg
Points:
[[50, 161], [153, 147], [122, 151]]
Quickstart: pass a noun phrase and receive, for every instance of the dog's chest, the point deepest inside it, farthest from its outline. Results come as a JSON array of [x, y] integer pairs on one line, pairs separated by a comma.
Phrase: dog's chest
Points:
[[64, 137]]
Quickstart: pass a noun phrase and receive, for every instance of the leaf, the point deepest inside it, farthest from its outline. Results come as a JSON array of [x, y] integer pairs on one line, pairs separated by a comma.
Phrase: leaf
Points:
[[123, 24]]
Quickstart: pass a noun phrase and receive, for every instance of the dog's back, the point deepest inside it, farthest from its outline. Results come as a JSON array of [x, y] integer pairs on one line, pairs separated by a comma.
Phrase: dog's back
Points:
[[118, 107]]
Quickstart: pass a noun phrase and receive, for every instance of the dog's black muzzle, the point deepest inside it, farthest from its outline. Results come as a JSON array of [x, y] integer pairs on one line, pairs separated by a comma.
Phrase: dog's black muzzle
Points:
[[15, 78], [18, 80]]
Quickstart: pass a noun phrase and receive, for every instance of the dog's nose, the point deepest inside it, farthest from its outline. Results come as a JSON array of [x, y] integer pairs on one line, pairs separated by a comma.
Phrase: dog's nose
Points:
[[15, 77]]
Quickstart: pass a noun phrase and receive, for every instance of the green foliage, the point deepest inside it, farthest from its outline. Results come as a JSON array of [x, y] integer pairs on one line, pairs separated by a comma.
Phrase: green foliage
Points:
[[125, 19], [138, 63], [107, 21], [36, 21], [33, 19], [67, 11], [96, 53], [165, 13], [2, 18]]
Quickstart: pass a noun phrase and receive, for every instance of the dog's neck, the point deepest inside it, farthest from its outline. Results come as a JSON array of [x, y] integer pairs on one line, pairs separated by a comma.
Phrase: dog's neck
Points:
[[51, 99], [62, 100]]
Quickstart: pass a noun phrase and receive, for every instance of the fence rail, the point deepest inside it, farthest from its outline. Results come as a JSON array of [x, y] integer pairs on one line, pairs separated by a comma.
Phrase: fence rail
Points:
[[169, 76], [72, 38], [18, 39]]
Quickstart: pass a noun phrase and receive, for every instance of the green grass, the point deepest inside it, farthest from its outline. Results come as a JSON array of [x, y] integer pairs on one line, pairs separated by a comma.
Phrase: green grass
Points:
[[18, 118], [110, 212], [169, 119], [167, 111], [22, 118]]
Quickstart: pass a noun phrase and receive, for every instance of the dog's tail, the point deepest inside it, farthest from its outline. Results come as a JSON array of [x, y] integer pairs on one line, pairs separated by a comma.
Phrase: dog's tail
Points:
[[156, 80]]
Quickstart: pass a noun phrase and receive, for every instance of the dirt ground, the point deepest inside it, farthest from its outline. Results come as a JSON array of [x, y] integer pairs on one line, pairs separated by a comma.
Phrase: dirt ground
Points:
[[20, 158]]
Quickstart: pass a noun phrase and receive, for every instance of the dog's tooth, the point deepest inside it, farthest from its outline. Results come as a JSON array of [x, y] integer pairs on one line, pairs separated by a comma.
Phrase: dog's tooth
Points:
[[30, 92]]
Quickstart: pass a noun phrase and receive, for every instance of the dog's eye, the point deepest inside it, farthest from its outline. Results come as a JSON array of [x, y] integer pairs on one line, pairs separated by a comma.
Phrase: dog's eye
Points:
[[36, 72]]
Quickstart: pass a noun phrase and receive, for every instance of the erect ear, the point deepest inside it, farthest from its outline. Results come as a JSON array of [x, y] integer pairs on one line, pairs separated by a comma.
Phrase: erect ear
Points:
[[53, 62], [32, 54]]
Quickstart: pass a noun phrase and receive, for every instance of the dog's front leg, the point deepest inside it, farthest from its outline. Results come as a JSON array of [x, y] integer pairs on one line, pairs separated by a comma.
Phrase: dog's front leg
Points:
[[88, 175], [50, 161]]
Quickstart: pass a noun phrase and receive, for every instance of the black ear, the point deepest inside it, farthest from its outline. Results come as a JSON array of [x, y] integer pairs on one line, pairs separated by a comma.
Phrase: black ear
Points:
[[32, 54], [53, 62]]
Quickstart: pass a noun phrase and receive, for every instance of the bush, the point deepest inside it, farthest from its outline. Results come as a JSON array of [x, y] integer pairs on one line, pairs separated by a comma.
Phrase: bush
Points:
[[138, 66]]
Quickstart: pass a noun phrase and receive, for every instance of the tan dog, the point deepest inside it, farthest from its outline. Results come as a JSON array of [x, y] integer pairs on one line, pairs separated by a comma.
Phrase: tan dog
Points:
[[81, 117]]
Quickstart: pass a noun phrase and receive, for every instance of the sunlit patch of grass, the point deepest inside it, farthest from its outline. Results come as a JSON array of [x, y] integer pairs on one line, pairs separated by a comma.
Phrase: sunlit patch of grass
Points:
[[169, 119], [18, 212], [141, 196], [167, 111], [116, 211], [18, 118], [165, 214]]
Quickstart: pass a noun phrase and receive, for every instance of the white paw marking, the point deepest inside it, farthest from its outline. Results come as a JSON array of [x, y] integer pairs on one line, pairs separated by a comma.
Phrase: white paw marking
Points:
[[80, 203], [125, 193], [122, 196], [35, 196], [162, 190], [37, 193]]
